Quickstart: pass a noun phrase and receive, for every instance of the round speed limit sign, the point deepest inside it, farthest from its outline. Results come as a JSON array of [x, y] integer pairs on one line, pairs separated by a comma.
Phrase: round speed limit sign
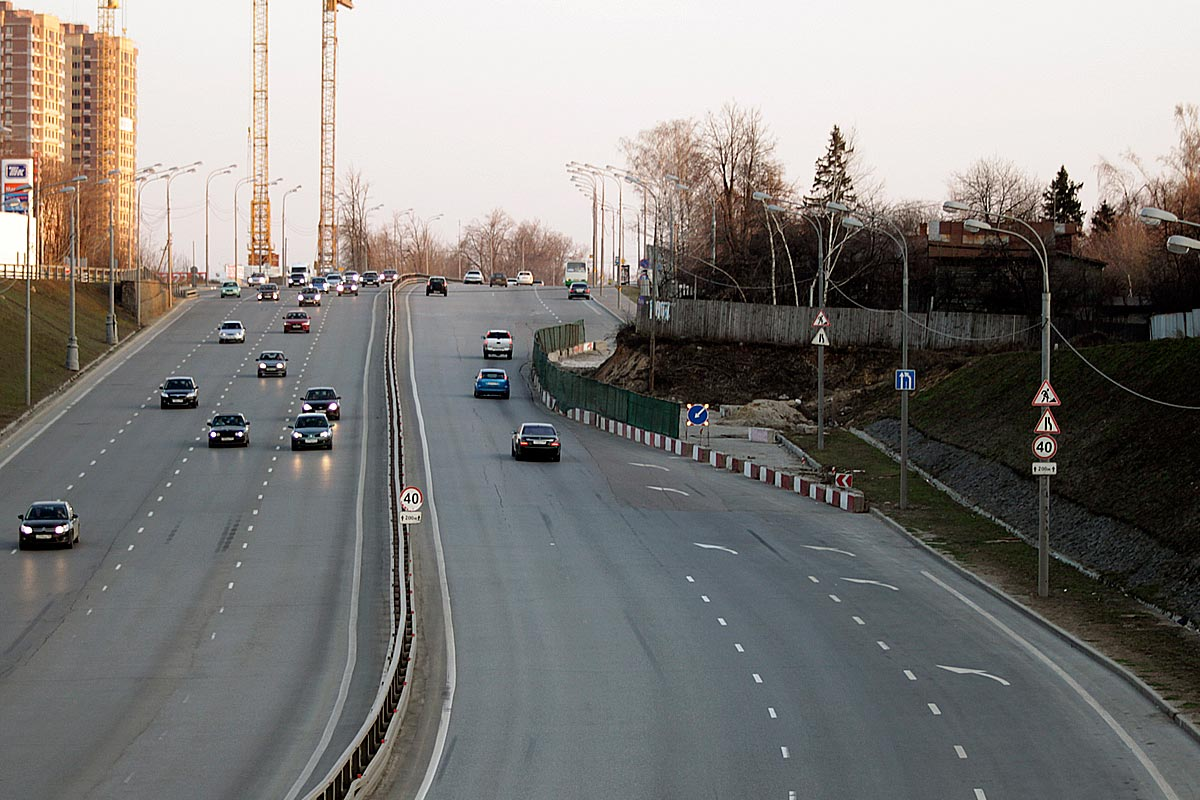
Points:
[[411, 499], [1045, 447]]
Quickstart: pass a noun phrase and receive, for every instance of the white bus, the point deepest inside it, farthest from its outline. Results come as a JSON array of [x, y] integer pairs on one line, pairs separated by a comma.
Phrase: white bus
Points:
[[574, 271]]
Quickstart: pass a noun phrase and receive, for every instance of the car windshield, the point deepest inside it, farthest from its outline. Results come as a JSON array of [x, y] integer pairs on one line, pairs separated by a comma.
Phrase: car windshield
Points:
[[321, 394], [493, 374], [499, 335], [229, 284], [538, 430], [55, 511], [297, 315], [230, 326], [312, 421], [270, 356], [227, 419], [178, 383], [269, 287]]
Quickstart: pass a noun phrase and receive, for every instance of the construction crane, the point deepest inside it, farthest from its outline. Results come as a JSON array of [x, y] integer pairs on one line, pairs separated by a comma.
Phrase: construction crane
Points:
[[106, 157], [260, 204], [327, 227]]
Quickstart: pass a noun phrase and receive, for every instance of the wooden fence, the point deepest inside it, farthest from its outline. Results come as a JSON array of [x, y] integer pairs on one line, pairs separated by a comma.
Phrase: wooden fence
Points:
[[720, 321]]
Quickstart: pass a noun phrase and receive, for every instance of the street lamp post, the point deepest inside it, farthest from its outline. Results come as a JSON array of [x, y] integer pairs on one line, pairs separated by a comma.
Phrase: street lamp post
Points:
[[144, 180], [110, 321], [1039, 250], [428, 244], [207, 183], [72, 341], [365, 244], [283, 226], [170, 241], [237, 186], [29, 206]]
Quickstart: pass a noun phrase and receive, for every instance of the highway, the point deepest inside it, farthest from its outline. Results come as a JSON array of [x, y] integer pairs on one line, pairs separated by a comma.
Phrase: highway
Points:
[[630, 624], [221, 628]]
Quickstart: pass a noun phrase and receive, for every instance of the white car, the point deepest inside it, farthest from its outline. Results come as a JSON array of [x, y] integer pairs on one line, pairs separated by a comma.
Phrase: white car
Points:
[[525, 278], [256, 279], [498, 343], [231, 331], [473, 276]]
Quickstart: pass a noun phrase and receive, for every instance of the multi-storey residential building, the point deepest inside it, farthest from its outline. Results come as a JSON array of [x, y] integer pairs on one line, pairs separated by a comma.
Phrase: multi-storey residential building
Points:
[[33, 77]]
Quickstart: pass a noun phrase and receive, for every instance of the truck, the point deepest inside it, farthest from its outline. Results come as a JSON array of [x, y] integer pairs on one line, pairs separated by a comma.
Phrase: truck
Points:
[[574, 271]]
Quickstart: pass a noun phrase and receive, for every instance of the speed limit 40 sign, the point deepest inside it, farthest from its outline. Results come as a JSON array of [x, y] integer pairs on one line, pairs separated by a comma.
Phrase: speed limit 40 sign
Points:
[[411, 499], [1044, 447]]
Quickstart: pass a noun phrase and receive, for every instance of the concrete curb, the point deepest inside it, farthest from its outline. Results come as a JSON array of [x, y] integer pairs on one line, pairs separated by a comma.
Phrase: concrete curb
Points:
[[851, 501], [1147, 691]]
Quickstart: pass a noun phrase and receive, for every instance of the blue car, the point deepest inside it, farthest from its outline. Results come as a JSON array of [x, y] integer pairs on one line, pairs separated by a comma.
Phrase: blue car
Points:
[[492, 382]]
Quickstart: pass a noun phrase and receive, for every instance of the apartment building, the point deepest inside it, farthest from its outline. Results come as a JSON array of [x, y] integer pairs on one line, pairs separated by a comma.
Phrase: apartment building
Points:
[[33, 84]]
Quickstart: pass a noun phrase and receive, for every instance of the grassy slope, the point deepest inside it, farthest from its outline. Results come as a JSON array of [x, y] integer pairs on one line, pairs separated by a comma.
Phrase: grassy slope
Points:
[[50, 327]]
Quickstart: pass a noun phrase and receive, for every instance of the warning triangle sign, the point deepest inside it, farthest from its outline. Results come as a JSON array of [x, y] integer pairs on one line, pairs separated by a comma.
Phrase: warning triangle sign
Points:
[[822, 320], [821, 339], [1047, 424], [1046, 396]]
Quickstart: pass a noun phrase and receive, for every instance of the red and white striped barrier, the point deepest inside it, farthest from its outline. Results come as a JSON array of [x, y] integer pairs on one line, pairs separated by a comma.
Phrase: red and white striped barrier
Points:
[[847, 500]]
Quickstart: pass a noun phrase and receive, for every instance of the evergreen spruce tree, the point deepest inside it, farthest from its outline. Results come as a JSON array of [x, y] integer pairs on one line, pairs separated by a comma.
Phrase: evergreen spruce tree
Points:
[[832, 180], [1060, 202], [1104, 218]]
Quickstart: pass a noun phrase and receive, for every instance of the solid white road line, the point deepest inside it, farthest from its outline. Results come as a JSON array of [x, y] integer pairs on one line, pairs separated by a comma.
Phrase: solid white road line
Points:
[[703, 546], [979, 672], [828, 550]]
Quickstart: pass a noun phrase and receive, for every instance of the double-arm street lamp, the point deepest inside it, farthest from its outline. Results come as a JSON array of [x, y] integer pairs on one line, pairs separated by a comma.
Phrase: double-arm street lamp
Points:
[[27, 190], [145, 180], [110, 321], [171, 176], [72, 341], [207, 182], [365, 244], [1176, 244], [977, 225], [283, 226]]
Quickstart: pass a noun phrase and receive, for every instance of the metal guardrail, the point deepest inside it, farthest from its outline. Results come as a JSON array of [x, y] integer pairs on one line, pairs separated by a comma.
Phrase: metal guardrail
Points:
[[357, 769]]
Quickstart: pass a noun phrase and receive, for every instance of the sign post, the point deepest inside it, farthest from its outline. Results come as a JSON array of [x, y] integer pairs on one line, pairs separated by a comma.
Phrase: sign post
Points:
[[821, 341], [1045, 446]]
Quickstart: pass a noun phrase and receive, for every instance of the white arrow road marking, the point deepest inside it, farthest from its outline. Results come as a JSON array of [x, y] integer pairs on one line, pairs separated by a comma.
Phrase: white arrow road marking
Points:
[[649, 466], [981, 673], [714, 547], [829, 550], [669, 489], [871, 583]]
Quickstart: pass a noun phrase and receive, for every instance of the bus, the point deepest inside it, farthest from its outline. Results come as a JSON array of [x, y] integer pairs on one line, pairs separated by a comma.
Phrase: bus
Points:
[[574, 271]]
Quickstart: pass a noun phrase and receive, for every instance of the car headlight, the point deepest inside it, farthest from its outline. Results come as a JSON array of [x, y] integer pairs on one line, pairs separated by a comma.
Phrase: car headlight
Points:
[[212, 434], [279, 365], [307, 406], [239, 433], [297, 435], [192, 393], [26, 529], [325, 434], [60, 528], [262, 365], [333, 406], [164, 395]]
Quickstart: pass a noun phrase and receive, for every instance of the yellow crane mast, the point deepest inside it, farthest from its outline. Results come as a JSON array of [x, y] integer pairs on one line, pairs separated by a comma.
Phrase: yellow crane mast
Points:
[[106, 157], [260, 204], [327, 227]]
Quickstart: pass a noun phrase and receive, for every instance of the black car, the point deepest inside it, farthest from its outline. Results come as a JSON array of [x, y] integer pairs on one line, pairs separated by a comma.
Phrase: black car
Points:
[[272, 362], [179, 391], [312, 430], [370, 278], [498, 279], [348, 287], [268, 291], [324, 399], [536, 439], [48, 522], [229, 429], [436, 285], [297, 279]]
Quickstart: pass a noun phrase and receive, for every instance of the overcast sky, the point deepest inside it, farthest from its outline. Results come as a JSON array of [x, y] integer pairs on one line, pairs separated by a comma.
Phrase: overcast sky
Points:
[[458, 108]]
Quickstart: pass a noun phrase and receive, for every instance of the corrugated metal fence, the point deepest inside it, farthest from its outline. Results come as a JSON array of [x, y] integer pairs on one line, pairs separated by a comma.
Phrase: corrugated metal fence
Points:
[[721, 321], [572, 390], [1175, 326]]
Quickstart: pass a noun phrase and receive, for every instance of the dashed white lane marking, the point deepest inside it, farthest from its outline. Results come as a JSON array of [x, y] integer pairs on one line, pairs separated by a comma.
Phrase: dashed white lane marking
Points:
[[785, 752], [104, 588], [159, 500], [89, 613], [70, 486], [757, 677], [835, 598], [238, 565], [244, 544], [871, 583], [230, 586], [813, 578], [703, 546], [149, 513], [141, 529], [722, 621], [81, 475], [214, 636], [256, 512], [909, 674], [116, 568], [979, 672], [130, 550], [771, 712], [791, 796], [668, 489], [105, 450], [937, 712], [858, 620], [738, 647], [93, 463], [883, 645], [690, 579], [649, 466], [260, 497], [249, 528], [704, 597], [958, 748], [829, 550], [178, 471], [979, 795]]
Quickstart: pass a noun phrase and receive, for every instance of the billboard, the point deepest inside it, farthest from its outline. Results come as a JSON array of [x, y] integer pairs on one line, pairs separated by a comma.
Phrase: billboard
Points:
[[17, 172]]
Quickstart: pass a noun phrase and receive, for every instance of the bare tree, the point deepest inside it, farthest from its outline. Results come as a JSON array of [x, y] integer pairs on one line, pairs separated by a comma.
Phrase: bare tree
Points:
[[484, 240], [996, 186], [352, 198]]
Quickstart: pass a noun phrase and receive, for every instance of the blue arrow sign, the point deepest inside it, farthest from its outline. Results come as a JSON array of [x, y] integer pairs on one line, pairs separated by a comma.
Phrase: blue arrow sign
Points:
[[697, 414], [906, 380]]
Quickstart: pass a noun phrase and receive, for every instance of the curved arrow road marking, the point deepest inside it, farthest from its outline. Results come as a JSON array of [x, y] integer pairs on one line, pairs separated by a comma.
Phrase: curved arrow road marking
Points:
[[649, 466], [871, 583], [829, 550], [669, 489], [979, 672], [714, 547]]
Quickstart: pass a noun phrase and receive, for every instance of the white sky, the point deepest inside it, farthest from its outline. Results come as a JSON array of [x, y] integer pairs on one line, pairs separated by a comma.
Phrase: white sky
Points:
[[457, 108]]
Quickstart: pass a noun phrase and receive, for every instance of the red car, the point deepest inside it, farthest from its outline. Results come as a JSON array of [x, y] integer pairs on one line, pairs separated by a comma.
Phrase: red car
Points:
[[296, 321]]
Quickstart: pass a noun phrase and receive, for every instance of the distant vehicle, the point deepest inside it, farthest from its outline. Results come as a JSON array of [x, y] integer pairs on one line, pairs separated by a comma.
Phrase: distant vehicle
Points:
[[256, 279], [511, 281], [268, 291], [350, 275], [492, 382], [296, 321], [179, 390], [370, 278], [324, 399], [297, 279], [525, 278], [578, 291], [574, 271], [230, 289], [498, 279], [231, 331], [320, 284], [48, 522], [388, 276], [473, 276], [536, 439], [272, 362], [347, 287], [312, 430], [229, 429], [309, 296], [498, 343], [437, 285]]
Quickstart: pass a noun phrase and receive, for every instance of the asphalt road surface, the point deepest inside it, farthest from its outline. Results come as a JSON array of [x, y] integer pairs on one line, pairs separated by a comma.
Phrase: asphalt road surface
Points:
[[630, 624], [221, 628]]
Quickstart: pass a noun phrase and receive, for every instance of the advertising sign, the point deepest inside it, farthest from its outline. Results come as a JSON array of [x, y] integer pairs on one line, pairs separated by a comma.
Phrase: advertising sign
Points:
[[17, 172]]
